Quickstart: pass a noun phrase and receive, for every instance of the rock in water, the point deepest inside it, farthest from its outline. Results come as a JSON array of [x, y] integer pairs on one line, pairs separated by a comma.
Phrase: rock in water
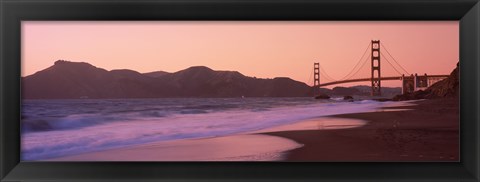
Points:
[[322, 96], [348, 98]]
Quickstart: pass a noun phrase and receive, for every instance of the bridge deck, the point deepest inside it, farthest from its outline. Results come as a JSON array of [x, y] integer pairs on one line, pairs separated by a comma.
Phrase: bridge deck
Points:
[[383, 78]]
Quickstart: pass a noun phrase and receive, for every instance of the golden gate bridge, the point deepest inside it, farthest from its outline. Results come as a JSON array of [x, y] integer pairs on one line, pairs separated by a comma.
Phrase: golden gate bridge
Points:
[[410, 82]]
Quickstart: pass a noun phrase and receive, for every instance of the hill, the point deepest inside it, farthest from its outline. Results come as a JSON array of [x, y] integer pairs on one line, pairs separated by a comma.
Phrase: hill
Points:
[[73, 80]]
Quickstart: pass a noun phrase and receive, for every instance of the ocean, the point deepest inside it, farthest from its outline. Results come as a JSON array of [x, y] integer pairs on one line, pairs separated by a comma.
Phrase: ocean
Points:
[[55, 128]]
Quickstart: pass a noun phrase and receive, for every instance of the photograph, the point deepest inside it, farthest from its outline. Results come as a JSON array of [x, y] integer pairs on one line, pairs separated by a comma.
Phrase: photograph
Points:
[[284, 91]]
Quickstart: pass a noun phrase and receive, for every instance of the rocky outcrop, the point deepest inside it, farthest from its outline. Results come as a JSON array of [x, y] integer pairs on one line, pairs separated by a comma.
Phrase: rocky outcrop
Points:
[[449, 87], [446, 88], [322, 96], [348, 98]]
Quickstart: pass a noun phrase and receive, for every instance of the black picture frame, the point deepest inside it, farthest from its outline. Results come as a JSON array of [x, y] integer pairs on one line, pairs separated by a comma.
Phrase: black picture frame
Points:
[[12, 12]]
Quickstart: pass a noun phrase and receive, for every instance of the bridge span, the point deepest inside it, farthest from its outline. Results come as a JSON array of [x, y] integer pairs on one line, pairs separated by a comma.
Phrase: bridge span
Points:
[[382, 78]]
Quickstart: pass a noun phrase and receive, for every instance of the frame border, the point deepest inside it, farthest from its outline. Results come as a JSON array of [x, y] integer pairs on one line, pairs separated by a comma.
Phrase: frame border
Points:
[[12, 12]]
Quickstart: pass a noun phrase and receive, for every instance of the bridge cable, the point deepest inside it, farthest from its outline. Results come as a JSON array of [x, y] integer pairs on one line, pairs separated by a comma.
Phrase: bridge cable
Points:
[[364, 62], [359, 61], [400, 73], [362, 67], [394, 59], [325, 74], [310, 77]]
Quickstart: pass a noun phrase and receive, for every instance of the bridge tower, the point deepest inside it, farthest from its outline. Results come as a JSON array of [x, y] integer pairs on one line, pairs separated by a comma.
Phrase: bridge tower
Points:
[[376, 85], [316, 79]]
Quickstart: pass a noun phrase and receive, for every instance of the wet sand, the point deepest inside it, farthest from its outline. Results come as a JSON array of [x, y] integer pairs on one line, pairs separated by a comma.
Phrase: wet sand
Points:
[[428, 132], [250, 147]]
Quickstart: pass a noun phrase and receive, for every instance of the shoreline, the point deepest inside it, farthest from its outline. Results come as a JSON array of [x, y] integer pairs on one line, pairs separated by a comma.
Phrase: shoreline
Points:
[[428, 132], [243, 147], [381, 135]]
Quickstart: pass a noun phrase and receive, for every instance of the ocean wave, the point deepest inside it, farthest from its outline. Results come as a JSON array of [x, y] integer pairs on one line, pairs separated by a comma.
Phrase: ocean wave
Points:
[[78, 133]]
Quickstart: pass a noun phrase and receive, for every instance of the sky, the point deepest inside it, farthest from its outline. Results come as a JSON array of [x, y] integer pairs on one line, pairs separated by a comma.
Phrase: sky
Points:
[[262, 49]]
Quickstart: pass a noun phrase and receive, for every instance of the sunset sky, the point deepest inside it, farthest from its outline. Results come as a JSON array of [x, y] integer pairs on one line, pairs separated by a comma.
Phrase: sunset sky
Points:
[[260, 49]]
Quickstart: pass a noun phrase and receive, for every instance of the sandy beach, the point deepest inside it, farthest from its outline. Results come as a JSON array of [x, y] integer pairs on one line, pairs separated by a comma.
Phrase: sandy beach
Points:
[[427, 130]]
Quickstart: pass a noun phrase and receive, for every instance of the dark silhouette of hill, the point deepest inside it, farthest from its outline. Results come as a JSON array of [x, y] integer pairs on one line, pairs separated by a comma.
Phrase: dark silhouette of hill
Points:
[[386, 91], [68, 80], [359, 90], [72, 80], [155, 74]]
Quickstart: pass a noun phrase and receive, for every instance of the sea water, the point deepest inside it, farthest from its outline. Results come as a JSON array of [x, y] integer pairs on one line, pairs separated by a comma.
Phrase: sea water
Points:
[[55, 128]]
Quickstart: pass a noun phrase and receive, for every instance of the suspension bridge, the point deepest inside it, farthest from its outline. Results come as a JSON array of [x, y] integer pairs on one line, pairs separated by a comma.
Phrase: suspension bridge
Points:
[[375, 73]]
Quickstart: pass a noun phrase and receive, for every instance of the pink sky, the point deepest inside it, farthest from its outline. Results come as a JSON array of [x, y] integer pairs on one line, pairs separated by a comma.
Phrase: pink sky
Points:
[[260, 49]]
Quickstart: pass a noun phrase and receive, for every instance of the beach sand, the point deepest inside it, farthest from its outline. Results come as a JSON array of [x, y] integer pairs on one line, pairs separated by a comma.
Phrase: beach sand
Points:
[[425, 131], [428, 132]]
